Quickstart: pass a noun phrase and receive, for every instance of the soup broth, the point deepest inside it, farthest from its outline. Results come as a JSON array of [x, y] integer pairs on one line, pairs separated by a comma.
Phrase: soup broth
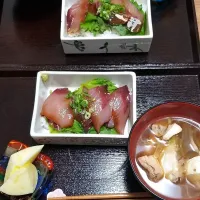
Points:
[[168, 157]]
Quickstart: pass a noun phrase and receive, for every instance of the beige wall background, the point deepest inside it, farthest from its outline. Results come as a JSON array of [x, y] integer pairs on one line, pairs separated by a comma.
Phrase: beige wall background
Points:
[[197, 6]]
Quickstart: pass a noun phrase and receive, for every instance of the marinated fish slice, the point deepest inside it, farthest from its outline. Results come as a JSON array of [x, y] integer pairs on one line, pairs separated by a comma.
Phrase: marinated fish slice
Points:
[[119, 2], [132, 16], [57, 108], [110, 124], [93, 7], [118, 19], [132, 11], [86, 123], [76, 15], [101, 110], [120, 104]]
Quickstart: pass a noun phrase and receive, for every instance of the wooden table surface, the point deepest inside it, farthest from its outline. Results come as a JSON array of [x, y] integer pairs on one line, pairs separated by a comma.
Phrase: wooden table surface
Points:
[[197, 4]]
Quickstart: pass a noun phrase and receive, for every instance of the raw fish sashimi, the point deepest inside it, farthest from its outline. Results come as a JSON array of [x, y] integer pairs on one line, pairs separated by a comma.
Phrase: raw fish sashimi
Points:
[[132, 11], [56, 108], [110, 124], [101, 110], [130, 8], [76, 15], [120, 104], [119, 2], [93, 7], [86, 123]]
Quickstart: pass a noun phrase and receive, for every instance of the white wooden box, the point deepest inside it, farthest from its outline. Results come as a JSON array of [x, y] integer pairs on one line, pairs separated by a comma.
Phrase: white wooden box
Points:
[[72, 80], [106, 44]]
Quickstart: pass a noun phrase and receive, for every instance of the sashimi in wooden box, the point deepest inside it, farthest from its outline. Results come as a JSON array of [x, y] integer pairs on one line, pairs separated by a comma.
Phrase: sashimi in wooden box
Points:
[[84, 108], [106, 26]]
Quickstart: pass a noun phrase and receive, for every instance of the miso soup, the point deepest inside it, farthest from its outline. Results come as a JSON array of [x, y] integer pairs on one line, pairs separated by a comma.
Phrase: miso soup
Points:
[[168, 157]]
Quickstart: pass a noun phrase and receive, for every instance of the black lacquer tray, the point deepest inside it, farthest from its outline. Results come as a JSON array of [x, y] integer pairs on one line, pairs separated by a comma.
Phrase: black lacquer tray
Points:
[[30, 35], [29, 42], [90, 169]]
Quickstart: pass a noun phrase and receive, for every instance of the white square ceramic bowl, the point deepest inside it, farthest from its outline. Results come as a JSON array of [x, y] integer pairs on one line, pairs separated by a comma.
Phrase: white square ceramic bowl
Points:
[[72, 80], [106, 44]]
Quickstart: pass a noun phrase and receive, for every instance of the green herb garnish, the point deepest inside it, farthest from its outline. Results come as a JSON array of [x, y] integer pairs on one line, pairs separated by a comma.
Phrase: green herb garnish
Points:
[[121, 30], [94, 24], [103, 130], [84, 103], [79, 102], [45, 77], [111, 87], [87, 115], [106, 9], [90, 17], [80, 99], [76, 128]]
